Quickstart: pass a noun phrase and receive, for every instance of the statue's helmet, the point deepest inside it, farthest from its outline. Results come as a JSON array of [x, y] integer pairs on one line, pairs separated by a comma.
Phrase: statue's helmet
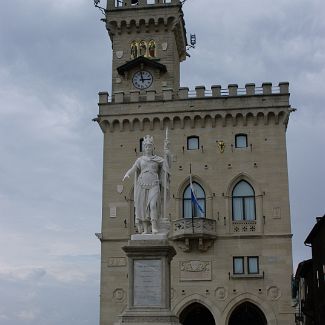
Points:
[[148, 139]]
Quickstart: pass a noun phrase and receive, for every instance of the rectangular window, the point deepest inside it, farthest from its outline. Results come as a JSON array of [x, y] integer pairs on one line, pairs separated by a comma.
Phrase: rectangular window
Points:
[[252, 265], [118, 3], [238, 265], [241, 141], [193, 143], [141, 144]]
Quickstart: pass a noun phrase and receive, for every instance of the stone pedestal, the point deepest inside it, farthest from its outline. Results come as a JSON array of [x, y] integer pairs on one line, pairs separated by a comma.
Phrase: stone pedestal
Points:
[[149, 258]]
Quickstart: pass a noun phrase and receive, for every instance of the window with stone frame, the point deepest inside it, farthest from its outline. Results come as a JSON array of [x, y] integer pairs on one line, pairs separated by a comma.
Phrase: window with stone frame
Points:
[[190, 209], [238, 265], [241, 140], [193, 143], [141, 145], [253, 265], [243, 202]]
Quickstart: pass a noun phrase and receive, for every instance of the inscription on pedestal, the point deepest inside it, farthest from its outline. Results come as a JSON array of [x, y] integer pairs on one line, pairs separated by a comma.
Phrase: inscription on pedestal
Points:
[[147, 283]]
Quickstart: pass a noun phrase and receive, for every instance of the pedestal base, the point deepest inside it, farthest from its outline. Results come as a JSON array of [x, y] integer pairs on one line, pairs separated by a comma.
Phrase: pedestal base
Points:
[[149, 258]]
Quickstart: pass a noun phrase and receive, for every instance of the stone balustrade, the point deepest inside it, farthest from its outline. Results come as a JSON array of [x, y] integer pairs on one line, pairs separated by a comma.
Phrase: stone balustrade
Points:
[[200, 92], [198, 227]]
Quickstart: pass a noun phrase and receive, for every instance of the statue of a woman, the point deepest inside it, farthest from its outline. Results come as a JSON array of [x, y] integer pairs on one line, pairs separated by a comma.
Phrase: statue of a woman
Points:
[[151, 175]]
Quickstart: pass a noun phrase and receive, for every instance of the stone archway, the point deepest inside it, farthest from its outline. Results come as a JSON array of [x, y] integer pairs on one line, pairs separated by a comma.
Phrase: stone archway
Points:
[[247, 314], [195, 314]]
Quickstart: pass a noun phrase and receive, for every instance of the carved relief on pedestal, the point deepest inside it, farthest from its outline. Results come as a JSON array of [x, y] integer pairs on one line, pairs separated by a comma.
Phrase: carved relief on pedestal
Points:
[[119, 295], [195, 270], [274, 293]]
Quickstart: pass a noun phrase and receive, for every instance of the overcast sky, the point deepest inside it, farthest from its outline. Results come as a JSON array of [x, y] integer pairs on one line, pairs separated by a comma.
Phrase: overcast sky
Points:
[[54, 58]]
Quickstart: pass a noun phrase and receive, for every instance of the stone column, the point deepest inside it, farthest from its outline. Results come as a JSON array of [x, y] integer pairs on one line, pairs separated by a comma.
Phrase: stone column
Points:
[[149, 258]]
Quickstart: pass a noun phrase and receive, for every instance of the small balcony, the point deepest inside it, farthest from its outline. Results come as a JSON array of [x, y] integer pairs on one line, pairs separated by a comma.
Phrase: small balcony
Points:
[[200, 232]]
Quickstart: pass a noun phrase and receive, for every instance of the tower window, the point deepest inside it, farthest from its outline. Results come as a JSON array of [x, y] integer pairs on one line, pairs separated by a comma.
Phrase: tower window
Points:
[[118, 3], [141, 144], [190, 208], [134, 2], [252, 265], [238, 265], [193, 143], [241, 141], [243, 202]]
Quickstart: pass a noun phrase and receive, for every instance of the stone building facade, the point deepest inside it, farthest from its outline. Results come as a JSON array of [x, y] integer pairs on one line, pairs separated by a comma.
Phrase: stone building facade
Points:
[[310, 279], [234, 261]]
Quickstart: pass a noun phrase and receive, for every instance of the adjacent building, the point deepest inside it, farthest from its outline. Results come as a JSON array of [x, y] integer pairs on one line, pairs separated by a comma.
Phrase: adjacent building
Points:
[[310, 279], [234, 260]]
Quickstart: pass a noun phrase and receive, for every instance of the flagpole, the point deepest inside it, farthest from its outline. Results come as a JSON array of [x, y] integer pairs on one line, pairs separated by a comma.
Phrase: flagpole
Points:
[[165, 177]]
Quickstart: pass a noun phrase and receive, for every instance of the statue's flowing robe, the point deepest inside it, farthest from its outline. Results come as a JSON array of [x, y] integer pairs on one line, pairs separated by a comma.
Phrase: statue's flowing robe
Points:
[[148, 188]]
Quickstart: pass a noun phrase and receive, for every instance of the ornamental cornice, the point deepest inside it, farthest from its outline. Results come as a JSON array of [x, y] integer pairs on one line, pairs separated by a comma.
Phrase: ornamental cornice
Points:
[[181, 120]]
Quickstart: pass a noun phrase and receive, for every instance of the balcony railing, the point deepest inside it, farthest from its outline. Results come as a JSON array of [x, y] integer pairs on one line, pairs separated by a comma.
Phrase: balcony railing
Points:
[[194, 228]]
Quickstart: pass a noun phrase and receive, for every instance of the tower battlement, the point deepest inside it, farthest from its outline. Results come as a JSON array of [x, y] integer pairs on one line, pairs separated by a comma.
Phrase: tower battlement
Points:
[[200, 92], [127, 4]]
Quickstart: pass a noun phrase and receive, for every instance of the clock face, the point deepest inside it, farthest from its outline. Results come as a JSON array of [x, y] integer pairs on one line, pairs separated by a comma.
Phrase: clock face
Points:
[[142, 79]]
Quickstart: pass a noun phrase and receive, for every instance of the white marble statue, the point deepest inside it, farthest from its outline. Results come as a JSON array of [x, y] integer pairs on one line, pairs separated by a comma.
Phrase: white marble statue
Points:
[[151, 186]]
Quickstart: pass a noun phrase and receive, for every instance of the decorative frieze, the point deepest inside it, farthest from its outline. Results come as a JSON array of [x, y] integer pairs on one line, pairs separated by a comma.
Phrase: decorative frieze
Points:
[[195, 270], [116, 261], [244, 226], [184, 120]]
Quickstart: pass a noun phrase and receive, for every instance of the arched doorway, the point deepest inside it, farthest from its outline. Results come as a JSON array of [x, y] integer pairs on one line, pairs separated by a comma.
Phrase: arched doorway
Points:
[[196, 314], [247, 314]]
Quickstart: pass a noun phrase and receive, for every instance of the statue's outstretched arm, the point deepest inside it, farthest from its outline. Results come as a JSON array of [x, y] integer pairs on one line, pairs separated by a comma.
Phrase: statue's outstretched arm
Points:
[[130, 171]]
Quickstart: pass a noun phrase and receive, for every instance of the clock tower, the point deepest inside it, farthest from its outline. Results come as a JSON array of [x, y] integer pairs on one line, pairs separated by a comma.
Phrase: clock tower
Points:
[[148, 42], [233, 261]]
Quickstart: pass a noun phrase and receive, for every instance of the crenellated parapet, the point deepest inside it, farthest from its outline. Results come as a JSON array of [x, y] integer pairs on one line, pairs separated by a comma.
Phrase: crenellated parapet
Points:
[[128, 4], [147, 19], [200, 92], [199, 109]]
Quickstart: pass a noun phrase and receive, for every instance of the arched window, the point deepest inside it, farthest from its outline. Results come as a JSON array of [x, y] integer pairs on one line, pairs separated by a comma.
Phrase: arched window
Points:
[[189, 207], [241, 140], [193, 143], [141, 145], [243, 202]]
